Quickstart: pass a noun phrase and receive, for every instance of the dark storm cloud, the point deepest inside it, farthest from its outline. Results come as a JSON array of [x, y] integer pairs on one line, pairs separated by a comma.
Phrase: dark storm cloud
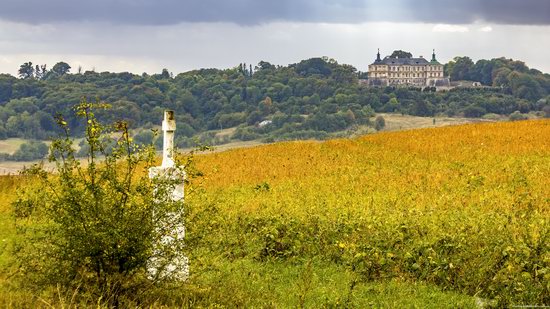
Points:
[[251, 12], [527, 12]]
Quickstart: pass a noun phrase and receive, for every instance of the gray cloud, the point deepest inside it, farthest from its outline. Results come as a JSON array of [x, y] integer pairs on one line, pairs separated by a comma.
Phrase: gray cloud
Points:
[[253, 12]]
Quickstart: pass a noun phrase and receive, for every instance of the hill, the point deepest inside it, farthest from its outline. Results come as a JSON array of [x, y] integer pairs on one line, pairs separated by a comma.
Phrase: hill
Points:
[[390, 219], [314, 98]]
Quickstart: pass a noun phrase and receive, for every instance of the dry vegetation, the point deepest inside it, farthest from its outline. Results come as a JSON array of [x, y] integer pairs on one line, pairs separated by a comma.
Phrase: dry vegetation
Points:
[[462, 207], [385, 220]]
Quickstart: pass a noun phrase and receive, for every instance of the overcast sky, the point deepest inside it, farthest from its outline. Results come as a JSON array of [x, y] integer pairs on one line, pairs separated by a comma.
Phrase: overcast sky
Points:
[[148, 35]]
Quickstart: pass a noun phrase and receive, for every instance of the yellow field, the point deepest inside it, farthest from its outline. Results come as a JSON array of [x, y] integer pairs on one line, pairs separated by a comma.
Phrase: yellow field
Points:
[[463, 208], [481, 165]]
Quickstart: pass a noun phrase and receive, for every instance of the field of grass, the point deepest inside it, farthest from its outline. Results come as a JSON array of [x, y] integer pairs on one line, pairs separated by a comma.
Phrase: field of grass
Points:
[[394, 122], [465, 208], [428, 218], [398, 122], [10, 145]]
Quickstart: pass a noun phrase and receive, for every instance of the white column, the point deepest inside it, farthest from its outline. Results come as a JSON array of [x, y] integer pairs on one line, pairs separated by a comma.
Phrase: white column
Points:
[[168, 129], [177, 266]]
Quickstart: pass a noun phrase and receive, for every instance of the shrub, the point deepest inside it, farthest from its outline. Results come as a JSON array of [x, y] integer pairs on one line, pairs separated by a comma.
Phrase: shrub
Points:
[[379, 123], [245, 134], [474, 111], [29, 151], [515, 116], [144, 137], [92, 229]]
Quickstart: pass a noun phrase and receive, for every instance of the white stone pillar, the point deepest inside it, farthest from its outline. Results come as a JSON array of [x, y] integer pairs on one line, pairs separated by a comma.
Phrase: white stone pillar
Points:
[[168, 129], [176, 267]]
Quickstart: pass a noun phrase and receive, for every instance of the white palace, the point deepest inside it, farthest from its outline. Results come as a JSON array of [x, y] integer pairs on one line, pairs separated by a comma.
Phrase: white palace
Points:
[[407, 71]]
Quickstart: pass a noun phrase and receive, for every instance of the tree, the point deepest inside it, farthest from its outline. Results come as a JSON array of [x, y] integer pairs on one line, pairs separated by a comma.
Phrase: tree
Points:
[[517, 115], [483, 72], [93, 227], [144, 137], [313, 66], [379, 123], [392, 105], [400, 54], [6, 87], [264, 65], [474, 111], [165, 74], [37, 72], [462, 68], [29, 151], [422, 108], [61, 68], [26, 70], [254, 117]]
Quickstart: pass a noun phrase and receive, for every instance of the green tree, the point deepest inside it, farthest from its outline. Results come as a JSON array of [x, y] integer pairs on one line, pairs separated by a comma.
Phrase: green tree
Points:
[[165, 74], [379, 123], [392, 105], [29, 151], [462, 68], [517, 115], [92, 229], [61, 68], [6, 87], [474, 111], [400, 54], [26, 70], [144, 138]]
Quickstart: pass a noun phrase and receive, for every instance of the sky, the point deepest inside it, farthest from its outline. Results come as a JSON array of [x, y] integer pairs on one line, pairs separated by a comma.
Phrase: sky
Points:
[[180, 35]]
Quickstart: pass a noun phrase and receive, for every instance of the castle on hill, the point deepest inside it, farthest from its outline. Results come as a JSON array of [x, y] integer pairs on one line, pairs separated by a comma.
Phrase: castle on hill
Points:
[[406, 72]]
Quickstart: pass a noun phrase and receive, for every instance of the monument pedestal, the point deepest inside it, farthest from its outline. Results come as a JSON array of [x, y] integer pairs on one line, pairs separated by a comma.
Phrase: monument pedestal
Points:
[[170, 182]]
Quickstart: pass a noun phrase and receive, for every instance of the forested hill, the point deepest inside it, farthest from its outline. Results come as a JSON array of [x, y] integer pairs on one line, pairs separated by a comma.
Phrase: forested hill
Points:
[[309, 99]]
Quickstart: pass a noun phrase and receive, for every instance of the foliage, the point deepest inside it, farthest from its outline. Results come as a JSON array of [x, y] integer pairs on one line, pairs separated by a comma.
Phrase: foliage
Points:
[[379, 123], [94, 228], [400, 54], [464, 208], [513, 76], [29, 151], [517, 115], [26, 70], [61, 68], [306, 96], [420, 218]]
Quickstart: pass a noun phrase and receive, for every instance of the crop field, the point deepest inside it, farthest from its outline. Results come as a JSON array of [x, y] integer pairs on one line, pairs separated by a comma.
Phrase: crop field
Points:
[[465, 208], [440, 217]]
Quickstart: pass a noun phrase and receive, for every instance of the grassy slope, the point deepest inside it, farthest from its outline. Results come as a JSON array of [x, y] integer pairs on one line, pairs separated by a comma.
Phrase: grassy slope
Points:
[[399, 219], [463, 207], [394, 122], [10, 145]]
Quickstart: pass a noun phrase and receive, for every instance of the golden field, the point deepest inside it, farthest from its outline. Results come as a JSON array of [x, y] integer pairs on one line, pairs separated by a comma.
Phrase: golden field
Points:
[[465, 207], [463, 210]]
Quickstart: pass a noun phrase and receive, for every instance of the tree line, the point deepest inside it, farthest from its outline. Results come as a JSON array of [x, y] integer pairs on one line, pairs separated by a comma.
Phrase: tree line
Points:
[[314, 98]]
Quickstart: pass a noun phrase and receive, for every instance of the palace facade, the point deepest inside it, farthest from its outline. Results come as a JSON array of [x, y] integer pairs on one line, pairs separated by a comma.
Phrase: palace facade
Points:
[[407, 71]]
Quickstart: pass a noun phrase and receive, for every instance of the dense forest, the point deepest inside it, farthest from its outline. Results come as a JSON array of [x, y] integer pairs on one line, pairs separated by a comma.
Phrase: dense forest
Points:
[[315, 98]]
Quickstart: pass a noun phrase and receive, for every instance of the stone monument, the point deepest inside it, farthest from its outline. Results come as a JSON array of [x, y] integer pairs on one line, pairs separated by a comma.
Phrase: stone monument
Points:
[[173, 229]]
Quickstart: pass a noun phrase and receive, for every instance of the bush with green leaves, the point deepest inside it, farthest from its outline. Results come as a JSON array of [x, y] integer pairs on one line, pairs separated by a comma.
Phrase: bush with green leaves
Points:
[[517, 115], [379, 123], [92, 227], [29, 151]]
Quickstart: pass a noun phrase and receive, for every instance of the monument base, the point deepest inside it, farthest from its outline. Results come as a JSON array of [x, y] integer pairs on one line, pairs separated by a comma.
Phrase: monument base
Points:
[[169, 266]]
